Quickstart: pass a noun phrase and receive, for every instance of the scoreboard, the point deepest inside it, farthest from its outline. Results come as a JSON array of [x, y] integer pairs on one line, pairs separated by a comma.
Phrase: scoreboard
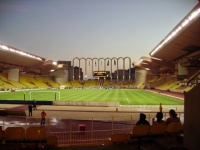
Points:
[[99, 73]]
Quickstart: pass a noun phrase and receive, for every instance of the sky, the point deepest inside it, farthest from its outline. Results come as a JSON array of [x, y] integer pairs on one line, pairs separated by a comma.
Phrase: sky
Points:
[[65, 29]]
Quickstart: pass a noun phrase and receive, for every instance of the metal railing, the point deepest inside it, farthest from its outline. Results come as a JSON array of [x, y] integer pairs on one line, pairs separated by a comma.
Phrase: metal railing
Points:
[[95, 132]]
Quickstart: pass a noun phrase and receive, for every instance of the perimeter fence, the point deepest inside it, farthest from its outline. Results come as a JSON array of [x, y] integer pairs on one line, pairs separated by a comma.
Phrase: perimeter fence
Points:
[[76, 132]]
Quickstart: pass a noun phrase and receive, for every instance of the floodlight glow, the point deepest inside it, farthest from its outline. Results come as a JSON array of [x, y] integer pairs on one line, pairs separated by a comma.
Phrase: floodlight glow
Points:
[[194, 14], [143, 63], [179, 28], [4, 47], [185, 23], [147, 68], [52, 70], [156, 58], [12, 50], [54, 63]]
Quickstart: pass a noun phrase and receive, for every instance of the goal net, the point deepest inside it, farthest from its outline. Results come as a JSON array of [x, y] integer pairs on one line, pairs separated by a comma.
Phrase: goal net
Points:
[[44, 95]]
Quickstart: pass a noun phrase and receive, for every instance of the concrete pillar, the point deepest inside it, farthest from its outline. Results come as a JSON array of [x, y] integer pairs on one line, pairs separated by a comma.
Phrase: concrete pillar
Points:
[[60, 76], [13, 74]]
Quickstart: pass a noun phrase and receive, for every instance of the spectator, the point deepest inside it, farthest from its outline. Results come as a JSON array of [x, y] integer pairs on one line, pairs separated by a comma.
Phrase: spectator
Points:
[[30, 109], [142, 120], [159, 117], [34, 105], [172, 117], [160, 108], [43, 115]]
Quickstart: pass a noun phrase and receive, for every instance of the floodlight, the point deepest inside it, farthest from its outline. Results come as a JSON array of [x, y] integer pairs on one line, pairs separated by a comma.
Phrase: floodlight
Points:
[[54, 63]]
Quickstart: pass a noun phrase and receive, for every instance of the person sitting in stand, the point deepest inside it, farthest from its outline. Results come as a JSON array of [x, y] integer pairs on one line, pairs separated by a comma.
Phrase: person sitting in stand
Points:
[[158, 119], [172, 117], [142, 120]]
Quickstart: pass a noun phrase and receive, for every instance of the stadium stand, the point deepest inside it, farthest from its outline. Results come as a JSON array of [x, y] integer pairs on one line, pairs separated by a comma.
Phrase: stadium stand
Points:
[[24, 80], [168, 85], [90, 84], [10, 83], [76, 84], [5, 83], [48, 81], [179, 59], [68, 84]]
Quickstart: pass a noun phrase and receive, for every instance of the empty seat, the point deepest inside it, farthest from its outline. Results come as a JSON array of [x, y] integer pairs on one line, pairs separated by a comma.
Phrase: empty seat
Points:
[[14, 134], [140, 130], [36, 134], [52, 141], [119, 138], [157, 129], [174, 128]]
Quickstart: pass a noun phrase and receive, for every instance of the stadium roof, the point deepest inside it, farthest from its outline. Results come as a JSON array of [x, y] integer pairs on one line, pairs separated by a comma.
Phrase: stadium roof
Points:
[[155, 65], [14, 58], [182, 44]]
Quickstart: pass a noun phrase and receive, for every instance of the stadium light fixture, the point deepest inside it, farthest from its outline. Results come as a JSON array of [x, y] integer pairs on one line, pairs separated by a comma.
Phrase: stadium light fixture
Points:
[[193, 15], [144, 63], [4, 47], [156, 58], [54, 63]]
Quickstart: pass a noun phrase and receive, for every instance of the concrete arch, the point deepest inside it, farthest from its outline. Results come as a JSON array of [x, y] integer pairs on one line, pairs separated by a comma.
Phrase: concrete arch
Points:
[[104, 59], [129, 66]]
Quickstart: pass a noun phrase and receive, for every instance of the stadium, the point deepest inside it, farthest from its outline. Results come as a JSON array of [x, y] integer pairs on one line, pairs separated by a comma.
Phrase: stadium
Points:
[[98, 112]]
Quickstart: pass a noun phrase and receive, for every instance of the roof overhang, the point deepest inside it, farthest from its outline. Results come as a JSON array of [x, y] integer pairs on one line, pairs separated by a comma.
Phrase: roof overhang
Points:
[[14, 57], [183, 41], [154, 65]]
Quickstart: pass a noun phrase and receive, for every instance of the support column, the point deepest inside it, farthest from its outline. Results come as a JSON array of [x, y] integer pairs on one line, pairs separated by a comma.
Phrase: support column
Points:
[[13, 74]]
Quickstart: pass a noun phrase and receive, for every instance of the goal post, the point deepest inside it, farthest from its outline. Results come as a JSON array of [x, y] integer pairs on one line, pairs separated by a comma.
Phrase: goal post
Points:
[[44, 95]]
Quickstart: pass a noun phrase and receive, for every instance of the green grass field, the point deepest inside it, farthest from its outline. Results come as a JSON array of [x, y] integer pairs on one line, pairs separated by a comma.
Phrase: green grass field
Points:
[[125, 97]]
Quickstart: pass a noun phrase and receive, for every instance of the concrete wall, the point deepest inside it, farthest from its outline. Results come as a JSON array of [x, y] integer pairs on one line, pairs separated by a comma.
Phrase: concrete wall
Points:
[[60, 76], [182, 70], [141, 75], [13, 74], [192, 119]]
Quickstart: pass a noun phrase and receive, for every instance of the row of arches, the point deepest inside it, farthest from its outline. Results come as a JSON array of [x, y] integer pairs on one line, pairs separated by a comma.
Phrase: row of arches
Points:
[[98, 61]]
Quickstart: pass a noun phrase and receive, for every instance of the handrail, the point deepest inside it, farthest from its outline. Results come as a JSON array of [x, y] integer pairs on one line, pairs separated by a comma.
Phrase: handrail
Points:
[[193, 77]]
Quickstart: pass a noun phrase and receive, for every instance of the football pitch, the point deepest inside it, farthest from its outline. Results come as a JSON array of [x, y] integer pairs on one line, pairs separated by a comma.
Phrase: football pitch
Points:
[[125, 97]]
